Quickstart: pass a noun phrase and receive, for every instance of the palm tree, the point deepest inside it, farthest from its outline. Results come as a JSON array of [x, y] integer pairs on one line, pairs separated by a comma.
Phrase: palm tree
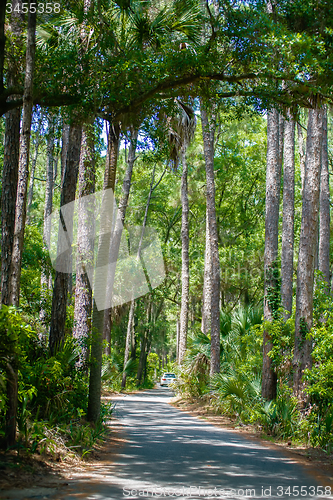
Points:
[[181, 132]]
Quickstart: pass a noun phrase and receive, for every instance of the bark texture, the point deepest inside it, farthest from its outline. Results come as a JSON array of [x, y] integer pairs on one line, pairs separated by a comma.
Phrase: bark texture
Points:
[[273, 181], [9, 196], [324, 217], [207, 284], [85, 243], [60, 288], [208, 133], [11, 158], [184, 310], [21, 196], [47, 210], [287, 251], [307, 246], [96, 353], [301, 151], [8, 200]]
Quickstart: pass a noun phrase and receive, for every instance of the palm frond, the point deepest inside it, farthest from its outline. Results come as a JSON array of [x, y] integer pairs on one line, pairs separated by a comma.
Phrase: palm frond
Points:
[[187, 19], [47, 36], [181, 131]]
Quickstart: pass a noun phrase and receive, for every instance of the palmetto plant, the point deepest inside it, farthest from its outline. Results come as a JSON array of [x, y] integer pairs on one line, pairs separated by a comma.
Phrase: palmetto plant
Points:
[[236, 333], [194, 375], [130, 25], [233, 383]]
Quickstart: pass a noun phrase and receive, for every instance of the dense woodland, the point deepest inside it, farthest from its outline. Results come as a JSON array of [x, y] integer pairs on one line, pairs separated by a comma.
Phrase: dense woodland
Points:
[[211, 123]]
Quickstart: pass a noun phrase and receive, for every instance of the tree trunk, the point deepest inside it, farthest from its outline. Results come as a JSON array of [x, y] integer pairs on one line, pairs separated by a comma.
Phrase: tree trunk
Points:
[[177, 340], [21, 197], [8, 200], [208, 132], [64, 149], [142, 357], [115, 244], [287, 252], [121, 214], [301, 151], [143, 353], [128, 344], [11, 160], [33, 166], [47, 210], [207, 284], [271, 291], [85, 243], [60, 288], [185, 261], [96, 353], [309, 228], [324, 216]]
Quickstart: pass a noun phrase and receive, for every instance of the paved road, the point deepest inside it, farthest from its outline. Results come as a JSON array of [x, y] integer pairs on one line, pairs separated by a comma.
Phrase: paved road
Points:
[[169, 454]]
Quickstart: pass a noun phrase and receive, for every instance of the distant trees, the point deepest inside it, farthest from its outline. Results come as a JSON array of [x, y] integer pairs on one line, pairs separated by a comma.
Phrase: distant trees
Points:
[[60, 287]]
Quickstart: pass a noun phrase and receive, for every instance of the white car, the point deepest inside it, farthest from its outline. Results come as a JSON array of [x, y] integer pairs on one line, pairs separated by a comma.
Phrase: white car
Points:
[[167, 379]]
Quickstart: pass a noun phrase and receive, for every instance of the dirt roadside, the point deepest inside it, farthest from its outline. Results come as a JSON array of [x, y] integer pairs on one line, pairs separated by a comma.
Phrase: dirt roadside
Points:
[[53, 470]]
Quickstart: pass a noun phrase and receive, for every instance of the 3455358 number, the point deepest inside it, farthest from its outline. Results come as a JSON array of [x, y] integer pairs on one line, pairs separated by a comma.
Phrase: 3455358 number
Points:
[[303, 491], [41, 8]]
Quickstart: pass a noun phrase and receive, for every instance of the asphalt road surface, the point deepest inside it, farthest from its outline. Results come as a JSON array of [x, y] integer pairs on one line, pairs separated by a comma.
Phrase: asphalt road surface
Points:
[[170, 454]]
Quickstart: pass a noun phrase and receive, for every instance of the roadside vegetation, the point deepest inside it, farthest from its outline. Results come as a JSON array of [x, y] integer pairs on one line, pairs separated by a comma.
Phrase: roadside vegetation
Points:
[[236, 391]]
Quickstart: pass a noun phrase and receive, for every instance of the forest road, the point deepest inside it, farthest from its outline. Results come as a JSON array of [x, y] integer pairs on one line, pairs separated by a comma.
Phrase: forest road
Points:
[[170, 454]]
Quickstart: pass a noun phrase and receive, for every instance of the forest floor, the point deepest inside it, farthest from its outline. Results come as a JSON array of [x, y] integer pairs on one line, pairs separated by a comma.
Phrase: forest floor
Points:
[[52, 470], [315, 458]]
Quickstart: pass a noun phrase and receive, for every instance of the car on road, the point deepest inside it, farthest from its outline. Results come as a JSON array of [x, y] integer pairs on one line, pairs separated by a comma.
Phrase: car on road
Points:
[[167, 379]]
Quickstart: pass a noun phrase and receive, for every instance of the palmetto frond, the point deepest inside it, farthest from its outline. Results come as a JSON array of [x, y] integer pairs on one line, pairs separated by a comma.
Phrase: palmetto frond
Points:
[[245, 317], [47, 36], [181, 131], [150, 28], [186, 18]]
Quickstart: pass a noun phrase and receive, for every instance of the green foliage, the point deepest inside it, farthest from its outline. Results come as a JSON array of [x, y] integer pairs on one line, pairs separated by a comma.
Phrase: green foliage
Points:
[[281, 333], [319, 377], [34, 259], [281, 417], [238, 393], [18, 341], [52, 391], [273, 294], [193, 378]]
